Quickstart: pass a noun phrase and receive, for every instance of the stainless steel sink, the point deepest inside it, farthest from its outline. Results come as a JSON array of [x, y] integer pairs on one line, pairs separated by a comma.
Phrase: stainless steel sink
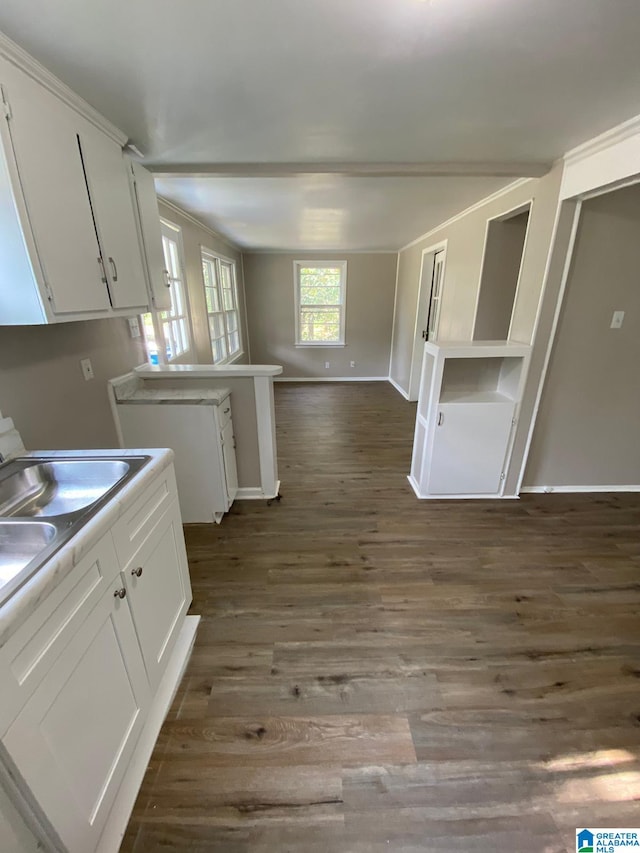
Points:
[[20, 543], [66, 492], [59, 487]]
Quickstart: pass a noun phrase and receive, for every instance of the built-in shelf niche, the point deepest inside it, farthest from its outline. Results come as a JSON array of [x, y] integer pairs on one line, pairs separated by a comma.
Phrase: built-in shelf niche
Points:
[[480, 380]]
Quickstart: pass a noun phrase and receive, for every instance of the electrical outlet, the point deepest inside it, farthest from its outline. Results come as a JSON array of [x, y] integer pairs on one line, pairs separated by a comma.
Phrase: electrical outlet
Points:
[[134, 327], [327, 365], [352, 363], [87, 368], [616, 320]]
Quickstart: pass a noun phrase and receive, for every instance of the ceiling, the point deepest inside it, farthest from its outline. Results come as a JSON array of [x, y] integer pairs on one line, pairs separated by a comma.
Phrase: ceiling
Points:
[[225, 87]]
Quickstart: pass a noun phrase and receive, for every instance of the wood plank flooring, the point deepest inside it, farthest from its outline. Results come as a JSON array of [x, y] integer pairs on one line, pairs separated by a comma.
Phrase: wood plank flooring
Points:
[[374, 673]]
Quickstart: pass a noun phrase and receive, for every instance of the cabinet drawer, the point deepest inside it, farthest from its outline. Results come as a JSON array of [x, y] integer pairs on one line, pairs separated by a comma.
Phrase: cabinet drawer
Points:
[[29, 653], [132, 530], [224, 413]]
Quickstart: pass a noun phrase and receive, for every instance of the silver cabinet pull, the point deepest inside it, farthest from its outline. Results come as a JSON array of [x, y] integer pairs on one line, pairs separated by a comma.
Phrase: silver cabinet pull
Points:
[[120, 593], [136, 572], [440, 418], [226, 411], [114, 268], [103, 275]]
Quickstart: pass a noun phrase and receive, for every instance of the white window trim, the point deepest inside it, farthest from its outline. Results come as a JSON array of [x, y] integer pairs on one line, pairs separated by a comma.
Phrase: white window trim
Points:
[[210, 254], [176, 233], [299, 344]]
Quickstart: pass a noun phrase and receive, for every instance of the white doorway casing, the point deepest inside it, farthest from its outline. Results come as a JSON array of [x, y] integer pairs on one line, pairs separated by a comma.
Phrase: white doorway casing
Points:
[[422, 311]]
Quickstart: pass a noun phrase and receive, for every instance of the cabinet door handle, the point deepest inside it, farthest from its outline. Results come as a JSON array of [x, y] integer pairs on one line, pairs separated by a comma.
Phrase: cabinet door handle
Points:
[[120, 593], [440, 418], [167, 278], [226, 411], [114, 268], [103, 275], [137, 572]]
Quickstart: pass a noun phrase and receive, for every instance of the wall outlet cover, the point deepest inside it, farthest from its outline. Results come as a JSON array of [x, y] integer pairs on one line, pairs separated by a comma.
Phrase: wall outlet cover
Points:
[[327, 364], [617, 320], [87, 368], [134, 327]]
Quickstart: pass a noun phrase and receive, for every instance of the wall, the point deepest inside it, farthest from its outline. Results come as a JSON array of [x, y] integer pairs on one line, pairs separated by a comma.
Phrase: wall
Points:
[[194, 237], [42, 387], [586, 432], [369, 311], [500, 270], [465, 244]]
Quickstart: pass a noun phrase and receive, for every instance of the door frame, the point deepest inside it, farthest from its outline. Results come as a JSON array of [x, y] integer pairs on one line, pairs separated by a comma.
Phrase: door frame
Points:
[[500, 217], [424, 293]]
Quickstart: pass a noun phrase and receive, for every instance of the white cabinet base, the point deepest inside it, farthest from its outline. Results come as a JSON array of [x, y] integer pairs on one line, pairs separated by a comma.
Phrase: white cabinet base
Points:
[[121, 812]]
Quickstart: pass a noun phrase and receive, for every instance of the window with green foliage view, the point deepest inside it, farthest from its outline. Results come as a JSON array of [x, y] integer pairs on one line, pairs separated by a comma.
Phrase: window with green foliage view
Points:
[[320, 302]]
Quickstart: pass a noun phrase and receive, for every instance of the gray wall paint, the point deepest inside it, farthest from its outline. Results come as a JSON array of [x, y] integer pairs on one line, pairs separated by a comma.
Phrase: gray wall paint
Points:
[[502, 259], [465, 244], [42, 387], [369, 312], [587, 428], [194, 238]]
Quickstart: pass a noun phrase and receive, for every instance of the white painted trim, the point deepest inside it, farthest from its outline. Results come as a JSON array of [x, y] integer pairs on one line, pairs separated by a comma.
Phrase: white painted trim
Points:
[[332, 379], [116, 826], [395, 310], [296, 250], [605, 140], [483, 497], [255, 493], [565, 490], [500, 217], [554, 326], [197, 222], [441, 246], [266, 422], [297, 264], [19, 57], [246, 309], [476, 206], [398, 388], [530, 206]]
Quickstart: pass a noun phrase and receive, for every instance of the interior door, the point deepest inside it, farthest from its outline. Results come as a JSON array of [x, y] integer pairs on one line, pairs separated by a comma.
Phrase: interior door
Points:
[[433, 307]]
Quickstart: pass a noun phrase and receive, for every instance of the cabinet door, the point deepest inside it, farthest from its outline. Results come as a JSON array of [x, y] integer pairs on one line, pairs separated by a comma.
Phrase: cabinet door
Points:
[[469, 448], [44, 140], [112, 202], [73, 739], [151, 235], [229, 457], [159, 593]]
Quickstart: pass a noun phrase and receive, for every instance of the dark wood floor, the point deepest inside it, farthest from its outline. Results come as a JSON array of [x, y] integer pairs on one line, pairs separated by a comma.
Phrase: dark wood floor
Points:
[[374, 673]]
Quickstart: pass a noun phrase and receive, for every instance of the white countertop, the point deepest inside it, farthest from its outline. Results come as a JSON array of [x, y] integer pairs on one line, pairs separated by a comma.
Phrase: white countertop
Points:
[[206, 371], [27, 598]]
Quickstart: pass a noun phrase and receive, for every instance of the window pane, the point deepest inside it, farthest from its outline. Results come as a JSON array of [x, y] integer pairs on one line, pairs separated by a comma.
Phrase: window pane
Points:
[[234, 342], [232, 321], [227, 298], [319, 295], [225, 273]]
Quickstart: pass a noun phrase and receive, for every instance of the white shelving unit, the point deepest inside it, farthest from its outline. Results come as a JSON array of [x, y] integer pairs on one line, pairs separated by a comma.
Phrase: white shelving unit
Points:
[[467, 410]]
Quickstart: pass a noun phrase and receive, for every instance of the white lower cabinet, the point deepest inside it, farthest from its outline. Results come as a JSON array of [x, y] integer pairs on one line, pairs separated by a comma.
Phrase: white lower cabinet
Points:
[[82, 673], [158, 595], [73, 740]]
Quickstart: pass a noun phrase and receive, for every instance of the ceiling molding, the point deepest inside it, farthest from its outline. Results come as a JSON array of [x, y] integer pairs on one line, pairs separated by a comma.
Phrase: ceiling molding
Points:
[[325, 253], [354, 170], [14, 54], [605, 140], [487, 200], [198, 223]]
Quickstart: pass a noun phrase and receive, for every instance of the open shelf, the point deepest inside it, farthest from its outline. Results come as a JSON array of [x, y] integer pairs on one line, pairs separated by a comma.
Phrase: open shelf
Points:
[[474, 397], [481, 380]]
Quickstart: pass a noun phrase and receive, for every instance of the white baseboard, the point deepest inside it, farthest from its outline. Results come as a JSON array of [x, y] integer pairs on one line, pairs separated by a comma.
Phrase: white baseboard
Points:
[[113, 833], [255, 493], [399, 388], [416, 489], [548, 490], [330, 378]]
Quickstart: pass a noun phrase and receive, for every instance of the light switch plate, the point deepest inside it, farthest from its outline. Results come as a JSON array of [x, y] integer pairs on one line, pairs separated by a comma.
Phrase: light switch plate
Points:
[[87, 368], [616, 320], [134, 327]]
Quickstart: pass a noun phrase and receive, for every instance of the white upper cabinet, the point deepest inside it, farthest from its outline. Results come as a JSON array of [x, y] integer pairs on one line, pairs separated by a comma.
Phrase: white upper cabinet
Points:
[[146, 202], [69, 238]]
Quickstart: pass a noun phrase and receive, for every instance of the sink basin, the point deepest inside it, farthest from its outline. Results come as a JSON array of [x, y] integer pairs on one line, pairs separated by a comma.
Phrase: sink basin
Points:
[[65, 493], [59, 487], [20, 543]]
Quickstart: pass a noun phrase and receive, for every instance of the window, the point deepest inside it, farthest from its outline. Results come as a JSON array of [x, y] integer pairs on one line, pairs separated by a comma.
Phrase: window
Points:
[[221, 294], [170, 326], [320, 302]]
